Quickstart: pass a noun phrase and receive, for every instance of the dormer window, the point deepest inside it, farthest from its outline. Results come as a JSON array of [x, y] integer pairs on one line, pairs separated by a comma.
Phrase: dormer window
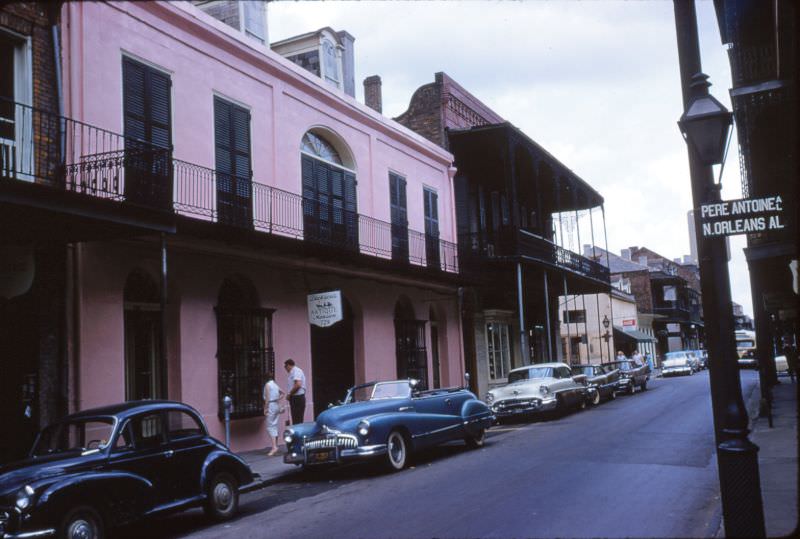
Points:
[[330, 62], [247, 16]]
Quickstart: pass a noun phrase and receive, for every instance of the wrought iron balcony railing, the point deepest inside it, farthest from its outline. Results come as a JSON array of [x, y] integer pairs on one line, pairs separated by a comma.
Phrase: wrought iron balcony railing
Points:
[[41, 147], [45, 148], [512, 242]]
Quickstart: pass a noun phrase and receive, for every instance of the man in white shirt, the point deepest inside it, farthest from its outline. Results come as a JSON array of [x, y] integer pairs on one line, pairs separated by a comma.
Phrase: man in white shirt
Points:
[[297, 391]]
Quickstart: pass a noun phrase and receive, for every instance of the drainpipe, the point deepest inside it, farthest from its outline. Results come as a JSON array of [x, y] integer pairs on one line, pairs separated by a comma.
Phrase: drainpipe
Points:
[[547, 318], [524, 350]]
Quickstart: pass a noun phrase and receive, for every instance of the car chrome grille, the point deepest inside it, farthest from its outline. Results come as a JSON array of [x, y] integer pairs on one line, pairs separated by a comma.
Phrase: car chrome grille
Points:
[[514, 403], [5, 516], [342, 441]]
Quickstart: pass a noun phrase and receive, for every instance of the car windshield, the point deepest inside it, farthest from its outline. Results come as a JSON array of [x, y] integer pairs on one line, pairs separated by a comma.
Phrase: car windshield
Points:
[[74, 435], [675, 355], [583, 369], [745, 344], [527, 374], [623, 365], [379, 390]]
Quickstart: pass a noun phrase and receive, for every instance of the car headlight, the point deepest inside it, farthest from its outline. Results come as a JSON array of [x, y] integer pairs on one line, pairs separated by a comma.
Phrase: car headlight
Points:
[[25, 497], [363, 428], [543, 390], [288, 436]]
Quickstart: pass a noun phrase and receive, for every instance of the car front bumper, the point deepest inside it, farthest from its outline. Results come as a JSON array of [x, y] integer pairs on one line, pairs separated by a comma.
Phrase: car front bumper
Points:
[[340, 455], [11, 524], [512, 407], [671, 371]]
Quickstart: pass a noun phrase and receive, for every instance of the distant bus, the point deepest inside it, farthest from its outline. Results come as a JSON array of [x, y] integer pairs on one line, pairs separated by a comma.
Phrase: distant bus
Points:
[[746, 348]]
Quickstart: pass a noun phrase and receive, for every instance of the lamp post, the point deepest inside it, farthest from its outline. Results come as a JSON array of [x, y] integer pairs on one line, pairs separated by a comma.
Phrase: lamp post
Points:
[[704, 125], [607, 336]]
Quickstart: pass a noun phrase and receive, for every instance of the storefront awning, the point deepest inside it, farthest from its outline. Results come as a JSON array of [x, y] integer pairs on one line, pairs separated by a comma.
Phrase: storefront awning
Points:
[[632, 335]]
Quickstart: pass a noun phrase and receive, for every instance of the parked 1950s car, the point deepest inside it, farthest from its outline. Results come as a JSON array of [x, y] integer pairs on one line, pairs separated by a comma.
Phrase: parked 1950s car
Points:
[[601, 382], [676, 363], [388, 420], [631, 374], [109, 466], [537, 388]]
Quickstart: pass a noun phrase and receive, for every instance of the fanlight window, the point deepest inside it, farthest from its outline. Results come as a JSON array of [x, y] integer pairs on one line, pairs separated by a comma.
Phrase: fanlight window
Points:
[[321, 148]]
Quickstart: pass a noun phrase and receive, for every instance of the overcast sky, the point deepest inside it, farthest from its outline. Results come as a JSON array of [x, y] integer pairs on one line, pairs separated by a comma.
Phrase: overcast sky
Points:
[[596, 83]]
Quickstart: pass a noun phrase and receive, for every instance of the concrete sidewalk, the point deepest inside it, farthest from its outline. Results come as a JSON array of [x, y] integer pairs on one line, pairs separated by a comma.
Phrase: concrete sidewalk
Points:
[[777, 460], [271, 469]]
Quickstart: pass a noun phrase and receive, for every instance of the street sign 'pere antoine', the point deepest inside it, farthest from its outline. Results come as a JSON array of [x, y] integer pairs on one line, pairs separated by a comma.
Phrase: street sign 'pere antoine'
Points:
[[744, 216]]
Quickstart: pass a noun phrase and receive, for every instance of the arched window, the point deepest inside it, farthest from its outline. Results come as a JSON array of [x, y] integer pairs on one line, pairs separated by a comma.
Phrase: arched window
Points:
[[320, 148], [145, 370], [330, 212], [244, 347]]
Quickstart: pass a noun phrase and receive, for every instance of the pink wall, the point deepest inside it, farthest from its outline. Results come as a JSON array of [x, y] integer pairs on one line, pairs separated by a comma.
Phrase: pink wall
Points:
[[194, 283], [205, 58]]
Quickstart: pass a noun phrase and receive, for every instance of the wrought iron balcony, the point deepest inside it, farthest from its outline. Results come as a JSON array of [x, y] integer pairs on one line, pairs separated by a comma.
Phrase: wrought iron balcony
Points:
[[57, 152], [37, 146], [515, 242]]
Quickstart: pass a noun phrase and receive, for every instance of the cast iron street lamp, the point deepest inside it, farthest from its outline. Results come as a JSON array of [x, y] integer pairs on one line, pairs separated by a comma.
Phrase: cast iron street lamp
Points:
[[705, 125], [607, 336]]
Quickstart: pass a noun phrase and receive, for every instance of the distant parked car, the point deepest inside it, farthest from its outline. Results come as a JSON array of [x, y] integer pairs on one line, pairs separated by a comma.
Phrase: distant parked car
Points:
[[746, 349], [538, 388], [631, 374], [390, 421], [781, 364], [677, 363], [601, 383], [109, 466]]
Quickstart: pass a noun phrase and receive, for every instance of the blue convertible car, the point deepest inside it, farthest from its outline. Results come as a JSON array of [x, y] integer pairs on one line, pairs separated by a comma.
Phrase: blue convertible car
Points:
[[388, 420]]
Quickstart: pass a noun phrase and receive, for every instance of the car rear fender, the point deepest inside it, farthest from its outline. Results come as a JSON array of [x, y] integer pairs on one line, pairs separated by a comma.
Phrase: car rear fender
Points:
[[475, 415], [118, 496], [223, 461]]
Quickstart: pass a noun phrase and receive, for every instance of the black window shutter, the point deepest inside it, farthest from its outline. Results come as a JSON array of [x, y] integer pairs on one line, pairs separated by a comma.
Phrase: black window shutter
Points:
[[133, 106], [158, 85]]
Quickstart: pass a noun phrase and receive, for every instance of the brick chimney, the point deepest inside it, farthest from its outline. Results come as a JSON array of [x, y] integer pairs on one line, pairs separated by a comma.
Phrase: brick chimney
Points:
[[372, 93]]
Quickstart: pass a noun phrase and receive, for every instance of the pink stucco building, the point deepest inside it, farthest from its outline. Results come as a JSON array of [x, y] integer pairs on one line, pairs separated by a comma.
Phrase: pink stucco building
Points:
[[248, 184]]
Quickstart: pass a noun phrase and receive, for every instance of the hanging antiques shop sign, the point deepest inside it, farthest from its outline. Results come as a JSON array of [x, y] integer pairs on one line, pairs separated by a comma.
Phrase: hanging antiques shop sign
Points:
[[744, 216], [325, 308]]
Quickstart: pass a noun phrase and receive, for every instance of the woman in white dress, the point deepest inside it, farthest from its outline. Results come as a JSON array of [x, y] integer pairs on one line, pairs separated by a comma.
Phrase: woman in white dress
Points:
[[272, 409]]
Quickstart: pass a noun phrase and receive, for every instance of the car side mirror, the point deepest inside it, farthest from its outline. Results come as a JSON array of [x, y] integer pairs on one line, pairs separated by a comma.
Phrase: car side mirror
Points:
[[466, 379]]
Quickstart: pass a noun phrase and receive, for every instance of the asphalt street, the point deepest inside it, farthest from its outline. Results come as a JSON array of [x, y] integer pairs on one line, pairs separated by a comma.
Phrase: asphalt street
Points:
[[639, 466]]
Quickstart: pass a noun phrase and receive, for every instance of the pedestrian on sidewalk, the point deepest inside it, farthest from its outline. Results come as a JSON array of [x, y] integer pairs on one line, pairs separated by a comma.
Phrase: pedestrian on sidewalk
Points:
[[273, 410], [621, 356], [297, 391]]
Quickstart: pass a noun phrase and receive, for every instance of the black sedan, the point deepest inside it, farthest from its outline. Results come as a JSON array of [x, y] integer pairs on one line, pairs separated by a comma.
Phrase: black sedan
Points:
[[109, 466], [631, 374], [602, 381]]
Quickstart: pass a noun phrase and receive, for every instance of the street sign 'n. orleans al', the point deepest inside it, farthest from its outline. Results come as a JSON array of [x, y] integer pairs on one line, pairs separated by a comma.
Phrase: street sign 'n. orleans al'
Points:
[[744, 216]]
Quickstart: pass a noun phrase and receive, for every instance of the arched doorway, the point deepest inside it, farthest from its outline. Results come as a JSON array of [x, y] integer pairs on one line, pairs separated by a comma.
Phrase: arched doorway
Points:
[[244, 347], [412, 355], [332, 360], [145, 369], [330, 211]]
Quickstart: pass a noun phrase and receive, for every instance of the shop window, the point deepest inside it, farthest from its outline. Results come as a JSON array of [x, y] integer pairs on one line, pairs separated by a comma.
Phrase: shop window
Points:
[[574, 316]]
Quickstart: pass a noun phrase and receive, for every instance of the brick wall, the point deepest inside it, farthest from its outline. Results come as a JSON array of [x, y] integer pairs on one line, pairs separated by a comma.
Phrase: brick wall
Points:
[[34, 20], [641, 290], [424, 113]]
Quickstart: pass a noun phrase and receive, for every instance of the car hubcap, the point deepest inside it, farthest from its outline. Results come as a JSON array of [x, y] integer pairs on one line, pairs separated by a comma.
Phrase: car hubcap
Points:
[[396, 449], [223, 496], [81, 529]]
